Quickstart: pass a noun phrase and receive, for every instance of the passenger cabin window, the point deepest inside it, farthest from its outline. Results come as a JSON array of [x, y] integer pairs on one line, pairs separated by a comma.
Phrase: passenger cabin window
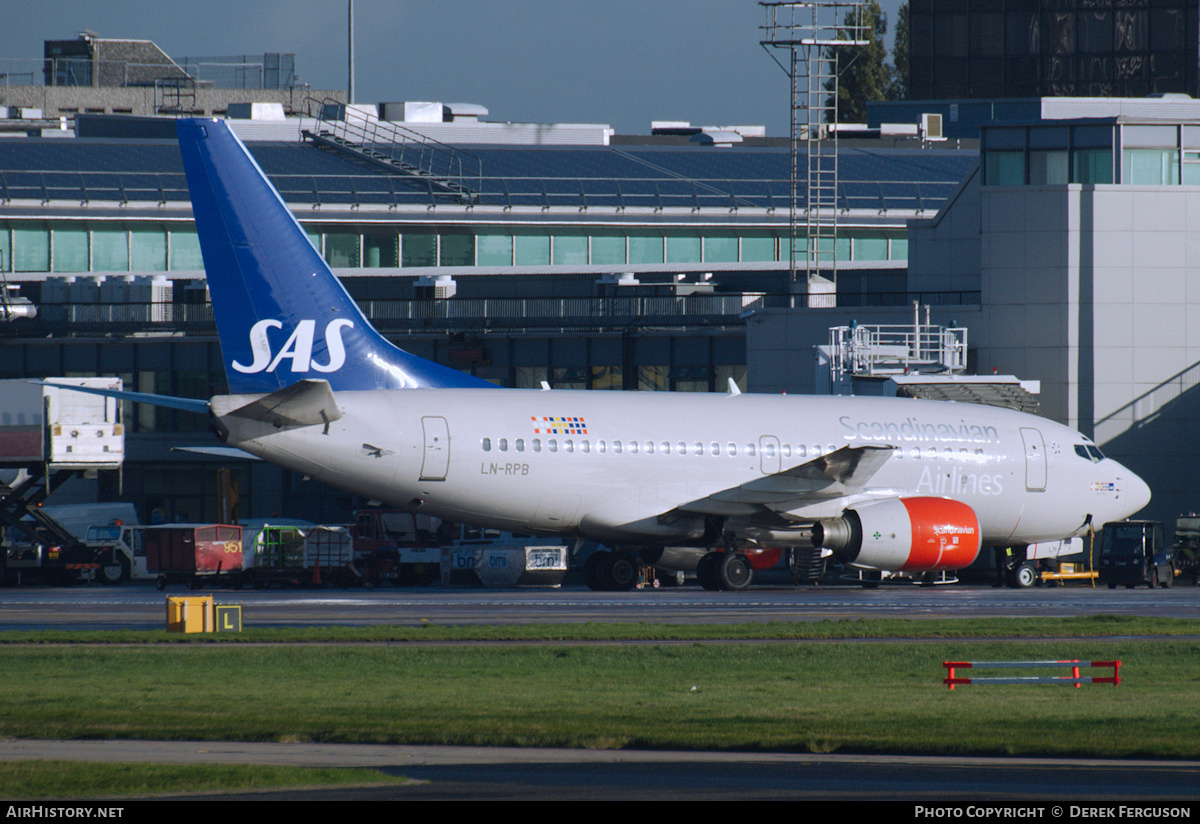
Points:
[[487, 444]]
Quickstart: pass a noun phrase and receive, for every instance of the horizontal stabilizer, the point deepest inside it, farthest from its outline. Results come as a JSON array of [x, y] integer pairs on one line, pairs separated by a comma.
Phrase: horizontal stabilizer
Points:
[[218, 452], [307, 403], [187, 404], [842, 472]]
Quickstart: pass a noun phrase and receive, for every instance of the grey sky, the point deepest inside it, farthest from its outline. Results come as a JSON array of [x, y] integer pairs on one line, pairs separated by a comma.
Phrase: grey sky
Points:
[[621, 62]]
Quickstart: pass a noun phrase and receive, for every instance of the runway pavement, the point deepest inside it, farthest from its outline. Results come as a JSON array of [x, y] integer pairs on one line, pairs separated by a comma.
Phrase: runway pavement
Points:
[[141, 606], [502, 773]]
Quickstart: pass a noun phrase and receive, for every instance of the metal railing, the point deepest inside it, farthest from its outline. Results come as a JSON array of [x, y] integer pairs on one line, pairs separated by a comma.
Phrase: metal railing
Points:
[[616, 313], [545, 193], [438, 165], [225, 72], [890, 349]]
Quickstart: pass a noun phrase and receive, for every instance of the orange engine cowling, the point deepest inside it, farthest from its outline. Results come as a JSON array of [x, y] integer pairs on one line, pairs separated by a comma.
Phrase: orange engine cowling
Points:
[[910, 534]]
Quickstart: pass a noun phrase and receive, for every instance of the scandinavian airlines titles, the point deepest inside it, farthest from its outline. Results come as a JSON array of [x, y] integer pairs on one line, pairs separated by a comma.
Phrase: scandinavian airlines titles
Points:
[[912, 429]]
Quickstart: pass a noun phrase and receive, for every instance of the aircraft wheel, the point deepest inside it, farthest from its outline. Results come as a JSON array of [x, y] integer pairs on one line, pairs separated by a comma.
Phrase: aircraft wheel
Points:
[[1170, 579], [622, 569], [1024, 576], [706, 571], [115, 572], [593, 569], [669, 577], [161, 582], [734, 571]]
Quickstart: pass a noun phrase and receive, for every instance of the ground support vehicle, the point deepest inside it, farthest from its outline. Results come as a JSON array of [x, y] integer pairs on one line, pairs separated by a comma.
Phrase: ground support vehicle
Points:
[[1046, 562], [196, 554], [1187, 547], [25, 558], [121, 552], [1133, 553], [302, 555], [398, 547], [47, 435]]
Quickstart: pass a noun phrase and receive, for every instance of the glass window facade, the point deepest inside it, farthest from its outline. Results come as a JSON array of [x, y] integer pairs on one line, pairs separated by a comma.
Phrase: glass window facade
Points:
[[381, 250], [342, 251], [71, 249], [457, 250], [608, 249], [531, 249], [110, 250], [30, 246], [185, 251], [570, 250], [148, 249]]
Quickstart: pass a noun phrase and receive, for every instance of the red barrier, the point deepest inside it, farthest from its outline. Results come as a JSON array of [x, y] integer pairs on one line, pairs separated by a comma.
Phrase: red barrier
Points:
[[1073, 679]]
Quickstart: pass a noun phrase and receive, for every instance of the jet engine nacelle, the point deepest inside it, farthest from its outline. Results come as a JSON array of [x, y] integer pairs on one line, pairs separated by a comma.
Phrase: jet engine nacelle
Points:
[[912, 534]]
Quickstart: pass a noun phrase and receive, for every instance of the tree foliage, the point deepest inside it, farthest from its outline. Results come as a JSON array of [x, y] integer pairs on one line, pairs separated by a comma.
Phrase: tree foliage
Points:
[[863, 74]]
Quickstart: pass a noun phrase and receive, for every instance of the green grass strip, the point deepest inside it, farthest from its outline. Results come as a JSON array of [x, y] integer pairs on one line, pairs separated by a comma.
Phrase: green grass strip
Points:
[[797, 697], [76, 779], [1038, 627]]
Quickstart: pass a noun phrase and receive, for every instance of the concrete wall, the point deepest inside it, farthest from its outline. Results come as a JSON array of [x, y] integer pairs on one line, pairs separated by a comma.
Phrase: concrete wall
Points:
[[1089, 289], [943, 253], [780, 343]]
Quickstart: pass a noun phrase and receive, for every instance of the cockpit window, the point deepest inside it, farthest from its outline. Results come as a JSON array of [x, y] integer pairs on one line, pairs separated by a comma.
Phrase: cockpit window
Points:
[[1090, 452]]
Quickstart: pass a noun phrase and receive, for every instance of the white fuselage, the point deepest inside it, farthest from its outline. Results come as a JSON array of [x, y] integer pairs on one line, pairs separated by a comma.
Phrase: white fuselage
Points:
[[625, 467]]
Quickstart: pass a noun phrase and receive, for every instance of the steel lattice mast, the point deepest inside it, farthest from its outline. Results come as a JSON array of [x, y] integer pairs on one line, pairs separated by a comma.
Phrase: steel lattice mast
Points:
[[811, 33]]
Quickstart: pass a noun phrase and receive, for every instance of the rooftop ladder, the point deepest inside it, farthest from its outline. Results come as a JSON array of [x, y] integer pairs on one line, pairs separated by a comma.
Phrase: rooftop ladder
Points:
[[397, 151]]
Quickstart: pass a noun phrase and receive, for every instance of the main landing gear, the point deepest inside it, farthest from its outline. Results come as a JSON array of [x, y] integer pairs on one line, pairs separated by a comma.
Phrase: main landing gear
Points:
[[724, 570]]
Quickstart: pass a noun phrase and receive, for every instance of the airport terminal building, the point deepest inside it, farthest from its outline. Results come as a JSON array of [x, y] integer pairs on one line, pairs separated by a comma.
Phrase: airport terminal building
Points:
[[531, 252], [568, 254]]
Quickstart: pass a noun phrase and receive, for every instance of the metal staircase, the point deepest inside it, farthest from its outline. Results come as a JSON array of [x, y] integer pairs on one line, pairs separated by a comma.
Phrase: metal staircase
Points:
[[395, 150], [21, 499]]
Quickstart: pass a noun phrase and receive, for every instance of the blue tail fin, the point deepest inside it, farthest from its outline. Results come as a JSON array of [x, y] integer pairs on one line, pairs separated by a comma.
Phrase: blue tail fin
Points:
[[281, 314]]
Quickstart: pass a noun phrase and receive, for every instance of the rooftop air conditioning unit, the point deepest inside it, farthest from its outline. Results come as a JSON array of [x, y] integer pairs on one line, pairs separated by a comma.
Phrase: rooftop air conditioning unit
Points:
[[931, 127]]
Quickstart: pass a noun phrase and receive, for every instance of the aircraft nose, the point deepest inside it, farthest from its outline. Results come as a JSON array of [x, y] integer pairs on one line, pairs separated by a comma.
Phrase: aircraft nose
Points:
[[1135, 493]]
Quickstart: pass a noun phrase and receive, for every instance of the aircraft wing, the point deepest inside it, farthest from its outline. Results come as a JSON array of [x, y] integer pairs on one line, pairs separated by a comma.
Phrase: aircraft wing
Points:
[[842, 472]]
